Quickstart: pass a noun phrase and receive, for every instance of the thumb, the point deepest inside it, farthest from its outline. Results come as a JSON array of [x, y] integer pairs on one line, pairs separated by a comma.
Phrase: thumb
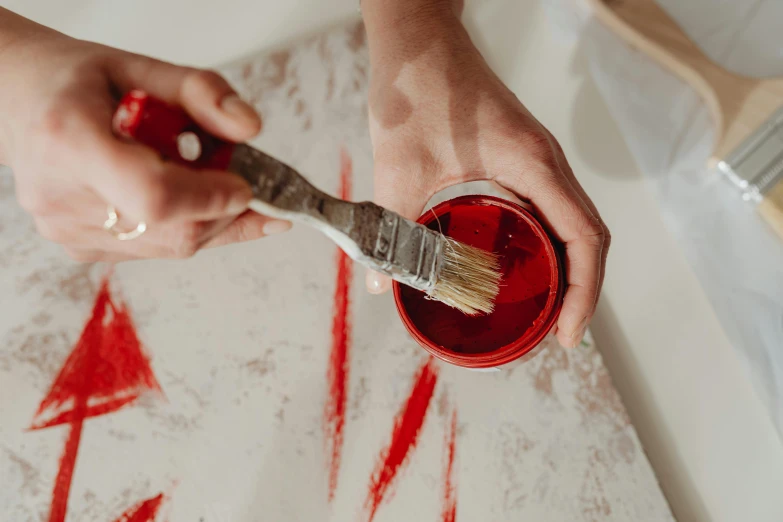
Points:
[[400, 193]]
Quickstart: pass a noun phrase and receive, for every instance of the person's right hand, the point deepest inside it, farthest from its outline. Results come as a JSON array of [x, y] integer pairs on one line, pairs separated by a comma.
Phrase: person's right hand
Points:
[[439, 117], [57, 98]]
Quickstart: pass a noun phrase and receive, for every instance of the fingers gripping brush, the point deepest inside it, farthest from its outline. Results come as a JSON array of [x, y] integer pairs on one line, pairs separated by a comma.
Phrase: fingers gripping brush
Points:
[[461, 276]]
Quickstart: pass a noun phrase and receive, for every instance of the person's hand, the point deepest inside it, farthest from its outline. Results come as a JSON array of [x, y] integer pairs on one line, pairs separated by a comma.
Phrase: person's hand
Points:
[[439, 117], [57, 97]]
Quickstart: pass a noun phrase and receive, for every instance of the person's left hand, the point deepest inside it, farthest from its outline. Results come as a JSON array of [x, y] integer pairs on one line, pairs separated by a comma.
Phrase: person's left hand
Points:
[[439, 116]]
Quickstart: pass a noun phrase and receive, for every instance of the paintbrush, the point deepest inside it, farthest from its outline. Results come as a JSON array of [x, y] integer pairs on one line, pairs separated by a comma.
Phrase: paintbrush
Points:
[[459, 275], [748, 112]]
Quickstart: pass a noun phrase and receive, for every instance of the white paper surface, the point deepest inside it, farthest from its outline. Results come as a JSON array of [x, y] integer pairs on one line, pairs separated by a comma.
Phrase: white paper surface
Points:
[[737, 257], [240, 340]]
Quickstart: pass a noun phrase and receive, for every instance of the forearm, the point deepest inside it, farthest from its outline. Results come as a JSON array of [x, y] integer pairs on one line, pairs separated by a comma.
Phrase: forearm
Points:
[[401, 23], [15, 33], [13, 30], [379, 13]]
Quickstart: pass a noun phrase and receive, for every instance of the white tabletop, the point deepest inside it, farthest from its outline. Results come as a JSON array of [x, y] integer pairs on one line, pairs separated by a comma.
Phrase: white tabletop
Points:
[[713, 446]]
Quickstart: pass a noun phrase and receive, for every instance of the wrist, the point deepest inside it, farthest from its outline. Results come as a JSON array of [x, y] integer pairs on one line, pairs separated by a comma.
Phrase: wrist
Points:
[[415, 49]]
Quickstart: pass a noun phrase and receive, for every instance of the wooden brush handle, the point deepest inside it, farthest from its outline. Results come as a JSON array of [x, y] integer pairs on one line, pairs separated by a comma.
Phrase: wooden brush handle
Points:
[[771, 208], [738, 104]]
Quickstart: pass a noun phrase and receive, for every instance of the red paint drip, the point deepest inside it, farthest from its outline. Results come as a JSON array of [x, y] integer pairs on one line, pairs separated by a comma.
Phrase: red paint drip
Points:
[[449, 485], [144, 511], [105, 371], [404, 436], [337, 373]]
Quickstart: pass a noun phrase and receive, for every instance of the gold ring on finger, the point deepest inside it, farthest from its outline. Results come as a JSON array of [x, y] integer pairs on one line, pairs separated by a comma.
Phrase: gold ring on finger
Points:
[[110, 226]]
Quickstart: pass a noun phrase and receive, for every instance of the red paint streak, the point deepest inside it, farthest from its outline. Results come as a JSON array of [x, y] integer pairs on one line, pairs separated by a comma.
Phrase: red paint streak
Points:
[[144, 511], [62, 484], [404, 436], [449, 488], [106, 370], [337, 373], [346, 175]]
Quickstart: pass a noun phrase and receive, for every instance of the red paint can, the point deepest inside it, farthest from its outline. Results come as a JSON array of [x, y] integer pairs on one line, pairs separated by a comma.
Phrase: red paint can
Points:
[[530, 297]]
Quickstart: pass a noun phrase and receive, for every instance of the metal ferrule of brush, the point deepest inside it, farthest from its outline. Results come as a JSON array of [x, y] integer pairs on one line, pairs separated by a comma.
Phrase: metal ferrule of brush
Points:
[[757, 164], [407, 251], [383, 240]]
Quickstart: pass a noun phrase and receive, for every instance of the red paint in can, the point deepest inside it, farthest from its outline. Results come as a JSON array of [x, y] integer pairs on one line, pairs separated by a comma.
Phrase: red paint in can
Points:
[[530, 297]]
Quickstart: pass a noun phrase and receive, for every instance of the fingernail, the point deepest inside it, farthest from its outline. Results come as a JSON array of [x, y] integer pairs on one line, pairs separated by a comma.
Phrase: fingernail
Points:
[[579, 333], [276, 227], [237, 108], [376, 283]]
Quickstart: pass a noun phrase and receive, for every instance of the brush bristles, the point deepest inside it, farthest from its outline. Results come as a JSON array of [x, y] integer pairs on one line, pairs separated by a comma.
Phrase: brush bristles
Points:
[[469, 278]]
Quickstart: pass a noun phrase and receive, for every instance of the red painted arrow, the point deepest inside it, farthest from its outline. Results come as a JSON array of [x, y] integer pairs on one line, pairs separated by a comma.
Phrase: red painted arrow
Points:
[[106, 370]]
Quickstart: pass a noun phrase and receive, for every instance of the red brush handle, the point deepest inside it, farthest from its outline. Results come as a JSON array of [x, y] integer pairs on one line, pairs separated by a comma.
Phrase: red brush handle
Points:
[[168, 129]]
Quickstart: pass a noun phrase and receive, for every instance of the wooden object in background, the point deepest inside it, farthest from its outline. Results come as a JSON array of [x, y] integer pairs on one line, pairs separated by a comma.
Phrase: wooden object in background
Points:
[[739, 104]]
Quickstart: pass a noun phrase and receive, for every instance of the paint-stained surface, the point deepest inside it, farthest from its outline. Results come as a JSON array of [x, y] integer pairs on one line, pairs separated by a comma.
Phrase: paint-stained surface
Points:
[[262, 379]]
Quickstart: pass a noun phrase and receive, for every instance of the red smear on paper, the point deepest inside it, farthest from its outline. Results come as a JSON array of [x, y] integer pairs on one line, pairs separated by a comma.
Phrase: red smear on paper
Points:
[[337, 373], [106, 370], [404, 436], [450, 489], [144, 511]]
